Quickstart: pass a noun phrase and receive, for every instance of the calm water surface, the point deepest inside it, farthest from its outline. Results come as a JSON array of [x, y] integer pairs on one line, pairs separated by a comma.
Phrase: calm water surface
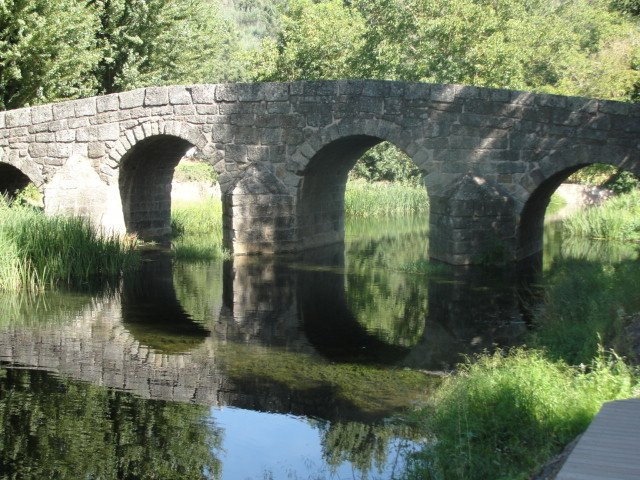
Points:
[[254, 368]]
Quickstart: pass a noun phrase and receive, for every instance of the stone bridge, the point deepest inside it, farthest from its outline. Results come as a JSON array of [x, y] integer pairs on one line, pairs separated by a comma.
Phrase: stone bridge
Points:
[[490, 158]]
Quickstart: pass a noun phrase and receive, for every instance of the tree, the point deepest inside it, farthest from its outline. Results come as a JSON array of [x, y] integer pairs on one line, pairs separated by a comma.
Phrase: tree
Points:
[[540, 45], [316, 41], [47, 50], [159, 42]]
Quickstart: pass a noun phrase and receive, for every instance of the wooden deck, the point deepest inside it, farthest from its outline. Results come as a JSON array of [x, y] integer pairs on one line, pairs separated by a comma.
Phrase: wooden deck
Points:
[[610, 448]]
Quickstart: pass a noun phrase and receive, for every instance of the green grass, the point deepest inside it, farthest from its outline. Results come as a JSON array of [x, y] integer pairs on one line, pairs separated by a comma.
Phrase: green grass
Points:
[[376, 199], [556, 204], [37, 251], [503, 415], [617, 219], [197, 230]]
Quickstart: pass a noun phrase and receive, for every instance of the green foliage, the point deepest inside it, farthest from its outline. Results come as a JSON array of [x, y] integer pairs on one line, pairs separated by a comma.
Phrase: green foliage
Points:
[[606, 176], [632, 7], [256, 20], [317, 40], [47, 50], [51, 50], [39, 251], [503, 415], [197, 230], [160, 42], [617, 219], [385, 162], [374, 391], [193, 171], [389, 304], [556, 204], [532, 45], [367, 199]]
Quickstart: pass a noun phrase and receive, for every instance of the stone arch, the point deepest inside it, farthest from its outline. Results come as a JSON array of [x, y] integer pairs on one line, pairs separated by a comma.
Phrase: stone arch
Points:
[[322, 165], [543, 181], [147, 156], [13, 179], [131, 136]]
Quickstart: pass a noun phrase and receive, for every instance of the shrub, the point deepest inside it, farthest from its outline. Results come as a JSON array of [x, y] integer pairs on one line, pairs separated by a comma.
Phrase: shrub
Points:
[[503, 415]]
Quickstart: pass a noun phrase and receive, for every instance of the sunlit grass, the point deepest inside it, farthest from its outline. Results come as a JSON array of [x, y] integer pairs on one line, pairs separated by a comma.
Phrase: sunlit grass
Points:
[[617, 219], [502, 415], [197, 230], [37, 251], [371, 199]]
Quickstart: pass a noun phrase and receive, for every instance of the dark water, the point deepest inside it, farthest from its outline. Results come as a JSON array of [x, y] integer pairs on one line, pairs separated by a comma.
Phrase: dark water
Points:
[[253, 368]]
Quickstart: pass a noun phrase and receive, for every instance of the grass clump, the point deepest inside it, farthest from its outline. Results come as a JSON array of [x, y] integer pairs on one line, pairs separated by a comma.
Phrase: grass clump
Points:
[[197, 230], [371, 199], [37, 251], [503, 415], [617, 219]]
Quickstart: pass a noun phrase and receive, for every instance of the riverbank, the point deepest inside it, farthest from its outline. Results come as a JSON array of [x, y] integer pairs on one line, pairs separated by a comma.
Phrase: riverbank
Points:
[[38, 252], [506, 414]]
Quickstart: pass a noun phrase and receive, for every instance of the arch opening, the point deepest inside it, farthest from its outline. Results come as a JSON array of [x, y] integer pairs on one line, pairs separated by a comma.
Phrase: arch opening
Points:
[[146, 173], [565, 193], [321, 196], [12, 181]]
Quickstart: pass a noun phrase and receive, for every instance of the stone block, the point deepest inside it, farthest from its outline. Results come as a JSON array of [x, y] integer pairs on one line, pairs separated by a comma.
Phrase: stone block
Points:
[[45, 137], [18, 118], [42, 113], [445, 93], [38, 150], [132, 99], [179, 95], [616, 108], [546, 100], [155, 96], [63, 110], [58, 150], [65, 136], [84, 134], [109, 131], [107, 103], [350, 87], [95, 150], [85, 107], [275, 91]]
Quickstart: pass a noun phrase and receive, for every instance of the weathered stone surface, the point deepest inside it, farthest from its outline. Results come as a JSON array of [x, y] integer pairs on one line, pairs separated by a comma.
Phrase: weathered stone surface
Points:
[[286, 149]]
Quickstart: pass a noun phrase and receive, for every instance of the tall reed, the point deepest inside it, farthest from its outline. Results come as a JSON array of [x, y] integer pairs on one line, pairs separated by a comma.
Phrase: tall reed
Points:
[[371, 199], [39, 251], [617, 219]]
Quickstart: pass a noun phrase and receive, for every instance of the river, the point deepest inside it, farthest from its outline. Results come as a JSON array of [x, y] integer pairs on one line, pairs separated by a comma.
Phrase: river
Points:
[[255, 368]]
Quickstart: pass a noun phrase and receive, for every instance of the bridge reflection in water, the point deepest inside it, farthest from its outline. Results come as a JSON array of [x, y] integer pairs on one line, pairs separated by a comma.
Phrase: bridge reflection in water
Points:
[[192, 333]]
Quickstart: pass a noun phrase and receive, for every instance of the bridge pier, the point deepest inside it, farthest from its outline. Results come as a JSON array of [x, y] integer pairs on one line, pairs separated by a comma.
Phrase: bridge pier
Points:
[[472, 222]]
